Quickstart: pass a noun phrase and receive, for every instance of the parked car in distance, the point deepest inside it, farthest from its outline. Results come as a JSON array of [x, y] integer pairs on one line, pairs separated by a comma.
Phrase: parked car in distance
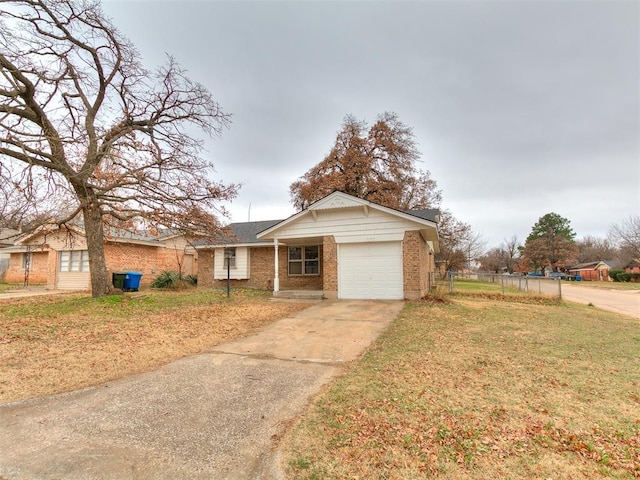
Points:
[[560, 275]]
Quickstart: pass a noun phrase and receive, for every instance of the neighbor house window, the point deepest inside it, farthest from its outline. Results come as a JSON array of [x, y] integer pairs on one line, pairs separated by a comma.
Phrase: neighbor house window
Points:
[[304, 260], [74, 261], [230, 257]]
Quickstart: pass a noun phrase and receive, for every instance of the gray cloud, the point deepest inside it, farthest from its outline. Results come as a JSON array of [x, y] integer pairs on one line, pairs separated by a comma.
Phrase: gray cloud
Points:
[[520, 108]]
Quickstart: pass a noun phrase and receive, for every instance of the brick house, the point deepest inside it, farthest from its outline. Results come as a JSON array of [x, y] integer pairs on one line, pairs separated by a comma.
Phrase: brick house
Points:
[[596, 271], [58, 257], [633, 266], [341, 245], [7, 236]]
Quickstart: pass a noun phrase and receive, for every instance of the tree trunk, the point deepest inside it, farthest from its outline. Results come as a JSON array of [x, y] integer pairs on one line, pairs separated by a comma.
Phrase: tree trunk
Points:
[[94, 229]]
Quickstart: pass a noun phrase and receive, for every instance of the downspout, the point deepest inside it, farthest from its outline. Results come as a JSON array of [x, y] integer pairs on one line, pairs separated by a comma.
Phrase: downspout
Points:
[[276, 279]]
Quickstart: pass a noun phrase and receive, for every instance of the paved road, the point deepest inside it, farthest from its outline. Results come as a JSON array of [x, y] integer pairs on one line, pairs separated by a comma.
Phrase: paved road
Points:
[[210, 416], [620, 301]]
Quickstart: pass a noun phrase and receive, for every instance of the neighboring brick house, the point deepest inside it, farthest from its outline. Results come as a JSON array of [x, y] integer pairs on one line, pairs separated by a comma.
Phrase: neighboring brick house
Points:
[[633, 266], [596, 271], [341, 245], [58, 257], [7, 236]]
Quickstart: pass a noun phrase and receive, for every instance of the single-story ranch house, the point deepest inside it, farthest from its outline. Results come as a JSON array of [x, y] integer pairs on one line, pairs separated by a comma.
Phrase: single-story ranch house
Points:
[[598, 271], [341, 245], [58, 258]]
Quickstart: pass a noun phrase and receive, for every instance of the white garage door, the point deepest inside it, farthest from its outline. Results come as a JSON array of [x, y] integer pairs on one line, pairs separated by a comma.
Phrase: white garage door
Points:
[[370, 270]]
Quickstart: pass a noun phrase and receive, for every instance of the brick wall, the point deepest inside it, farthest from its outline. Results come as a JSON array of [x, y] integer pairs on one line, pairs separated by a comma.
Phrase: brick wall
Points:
[[205, 268], [124, 257], [330, 267], [261, 266], [37, 271], [52, 268], [412, 265], [296, 282], [261, 271], [148, 260]]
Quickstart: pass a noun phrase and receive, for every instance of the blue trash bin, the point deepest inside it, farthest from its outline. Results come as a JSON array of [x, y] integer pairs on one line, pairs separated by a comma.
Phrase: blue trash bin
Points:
[[131, 282]]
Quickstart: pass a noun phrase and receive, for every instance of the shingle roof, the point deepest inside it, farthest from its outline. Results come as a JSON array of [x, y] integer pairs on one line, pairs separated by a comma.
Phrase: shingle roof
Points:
[[430, 214], [239, 233], [246, 232]]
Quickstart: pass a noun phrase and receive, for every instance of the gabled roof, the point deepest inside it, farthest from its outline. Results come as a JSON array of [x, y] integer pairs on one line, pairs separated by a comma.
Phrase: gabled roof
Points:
[[8, 236], [590, 266], [635, 262], [337, 200], [251, 233], [240, 233], [432, 214], [144, 237], [247, 232]]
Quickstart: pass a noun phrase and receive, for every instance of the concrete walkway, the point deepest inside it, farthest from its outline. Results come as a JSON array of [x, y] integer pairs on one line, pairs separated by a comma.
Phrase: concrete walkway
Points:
[[34, 291], [210, 416]]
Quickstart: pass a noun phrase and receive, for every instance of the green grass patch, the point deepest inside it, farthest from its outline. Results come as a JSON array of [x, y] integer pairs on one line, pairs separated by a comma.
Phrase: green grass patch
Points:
[[479, 388], [7, 287]]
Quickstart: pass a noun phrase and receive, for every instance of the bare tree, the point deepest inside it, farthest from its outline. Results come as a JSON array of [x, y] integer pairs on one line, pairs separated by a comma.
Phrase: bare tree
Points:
[[474, 246], [593, 249], [502, 258], [81, 118], [626, 236], [511, 250], [454, 239]]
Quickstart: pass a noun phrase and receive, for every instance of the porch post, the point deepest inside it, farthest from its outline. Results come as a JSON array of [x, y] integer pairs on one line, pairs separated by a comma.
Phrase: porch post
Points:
[[276, 279]]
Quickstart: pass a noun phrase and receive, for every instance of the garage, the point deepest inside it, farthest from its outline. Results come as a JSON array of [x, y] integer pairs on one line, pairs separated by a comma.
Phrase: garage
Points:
[[370, 271]]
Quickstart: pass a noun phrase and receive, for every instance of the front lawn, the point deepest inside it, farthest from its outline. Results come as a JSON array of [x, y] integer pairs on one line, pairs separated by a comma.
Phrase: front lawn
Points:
[[482, 388], [57, 343], [7, 287]]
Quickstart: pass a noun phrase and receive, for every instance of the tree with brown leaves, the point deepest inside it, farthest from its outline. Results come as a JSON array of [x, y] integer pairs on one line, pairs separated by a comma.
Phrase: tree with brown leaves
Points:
[[376, 164], [81, 119]]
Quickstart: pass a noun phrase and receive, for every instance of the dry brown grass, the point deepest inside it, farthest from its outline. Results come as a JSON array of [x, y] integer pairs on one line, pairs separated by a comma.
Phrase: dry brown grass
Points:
[[478, 388], [55, 344]]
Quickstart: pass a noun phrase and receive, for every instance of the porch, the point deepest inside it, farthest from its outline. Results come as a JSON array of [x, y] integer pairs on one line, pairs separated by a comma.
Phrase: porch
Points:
[[299, 294]]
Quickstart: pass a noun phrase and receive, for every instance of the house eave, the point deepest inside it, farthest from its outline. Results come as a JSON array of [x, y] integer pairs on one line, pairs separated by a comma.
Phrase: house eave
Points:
[[233, 245], [356, 203]]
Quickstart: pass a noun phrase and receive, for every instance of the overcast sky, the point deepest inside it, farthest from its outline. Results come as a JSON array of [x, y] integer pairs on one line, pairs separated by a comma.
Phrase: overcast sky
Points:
[[519, 108]]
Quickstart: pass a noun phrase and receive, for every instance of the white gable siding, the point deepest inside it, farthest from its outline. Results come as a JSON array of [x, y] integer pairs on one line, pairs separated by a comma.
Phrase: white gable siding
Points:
[[241, 269], [59, 241], [349, 225]]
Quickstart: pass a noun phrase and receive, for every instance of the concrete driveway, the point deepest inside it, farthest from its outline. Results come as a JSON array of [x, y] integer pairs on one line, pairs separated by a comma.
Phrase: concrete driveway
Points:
[[210, 416]]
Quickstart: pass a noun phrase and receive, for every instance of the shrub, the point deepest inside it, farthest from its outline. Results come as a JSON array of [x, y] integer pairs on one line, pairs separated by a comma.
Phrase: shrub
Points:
[[624, 277], [166, 279], [616, 275], [191, 280]]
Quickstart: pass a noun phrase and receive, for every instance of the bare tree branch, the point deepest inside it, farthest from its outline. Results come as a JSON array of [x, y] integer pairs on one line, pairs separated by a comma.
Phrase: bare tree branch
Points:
[[111, 136]]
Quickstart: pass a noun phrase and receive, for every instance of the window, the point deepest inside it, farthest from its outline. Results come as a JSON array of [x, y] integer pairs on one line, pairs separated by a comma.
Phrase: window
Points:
[[304, 260], [74, 261], [230, 257]]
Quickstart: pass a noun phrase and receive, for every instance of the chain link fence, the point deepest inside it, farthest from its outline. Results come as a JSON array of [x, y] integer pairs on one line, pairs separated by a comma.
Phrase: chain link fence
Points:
[[505, 283]]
